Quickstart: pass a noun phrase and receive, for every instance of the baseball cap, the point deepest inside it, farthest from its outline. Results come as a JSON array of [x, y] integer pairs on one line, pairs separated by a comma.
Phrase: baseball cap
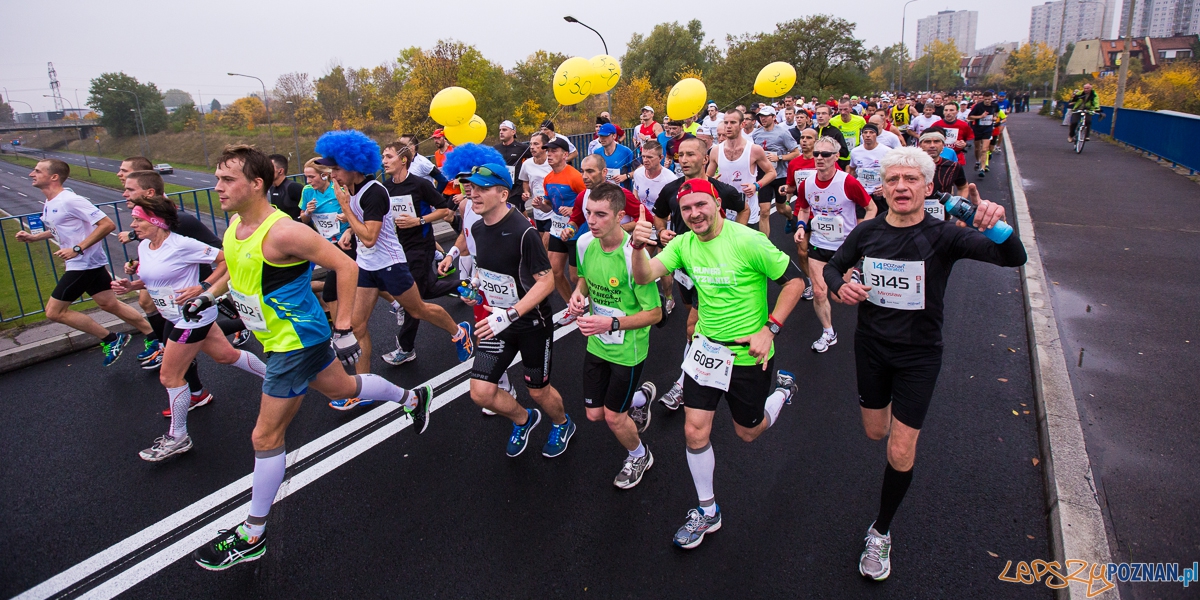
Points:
[[766, 109], [438, 133], [548, 124], [490, 175], [326, 161], [508, 124], [607, 129], [559, 143], [647, 108], [697, 186], [712, 105]]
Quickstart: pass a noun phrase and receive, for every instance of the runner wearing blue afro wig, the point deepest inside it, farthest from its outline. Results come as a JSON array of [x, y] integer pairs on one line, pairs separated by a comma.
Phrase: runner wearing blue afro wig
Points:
[[468, 156], [351, 151]]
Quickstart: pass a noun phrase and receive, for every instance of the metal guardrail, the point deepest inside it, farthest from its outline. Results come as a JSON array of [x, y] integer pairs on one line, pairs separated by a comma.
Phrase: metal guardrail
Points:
[[1170, 136]]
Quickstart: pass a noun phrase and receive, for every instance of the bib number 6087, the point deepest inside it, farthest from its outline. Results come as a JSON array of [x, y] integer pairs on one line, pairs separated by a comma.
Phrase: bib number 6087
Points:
[[706, 361]]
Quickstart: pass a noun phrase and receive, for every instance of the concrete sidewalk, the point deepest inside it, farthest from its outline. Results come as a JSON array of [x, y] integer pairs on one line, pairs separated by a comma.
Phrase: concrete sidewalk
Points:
[[1118, 236]]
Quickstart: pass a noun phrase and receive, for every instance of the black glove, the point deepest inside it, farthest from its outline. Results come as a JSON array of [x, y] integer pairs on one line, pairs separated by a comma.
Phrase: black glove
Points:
[[192, 308], [346, 346], [228, 308]]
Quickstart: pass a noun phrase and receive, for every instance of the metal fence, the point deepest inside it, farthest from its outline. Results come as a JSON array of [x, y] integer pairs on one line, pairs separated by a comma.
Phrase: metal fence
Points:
[[1170, 136]]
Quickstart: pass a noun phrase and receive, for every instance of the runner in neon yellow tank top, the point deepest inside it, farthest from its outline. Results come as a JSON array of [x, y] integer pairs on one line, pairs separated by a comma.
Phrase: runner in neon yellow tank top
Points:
[[270, 260]]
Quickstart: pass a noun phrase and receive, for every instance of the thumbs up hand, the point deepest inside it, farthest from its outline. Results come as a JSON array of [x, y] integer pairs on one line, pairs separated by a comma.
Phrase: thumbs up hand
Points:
[[644, 229]]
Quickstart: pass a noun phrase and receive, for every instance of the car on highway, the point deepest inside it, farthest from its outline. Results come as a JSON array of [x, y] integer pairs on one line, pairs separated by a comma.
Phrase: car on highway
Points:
[[164, 169]]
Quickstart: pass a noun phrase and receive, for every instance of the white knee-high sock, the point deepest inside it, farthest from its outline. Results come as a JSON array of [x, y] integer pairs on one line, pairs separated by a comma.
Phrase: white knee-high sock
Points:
[[701, 463], [180, 399], [774, 405], [269, 466], [374, 387], [250, 363]]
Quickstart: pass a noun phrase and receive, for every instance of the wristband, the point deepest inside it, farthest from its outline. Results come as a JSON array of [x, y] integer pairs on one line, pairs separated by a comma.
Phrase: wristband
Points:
[[454, 252], [757, 187], [205, 285], [772, 319], [800, 224]]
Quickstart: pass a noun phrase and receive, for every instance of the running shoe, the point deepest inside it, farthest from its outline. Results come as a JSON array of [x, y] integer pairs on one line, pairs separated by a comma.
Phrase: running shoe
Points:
[[674, 398], [465, 343], [786, 380], [789, 225], [399, 357], [112, 351], [400, 315], [565, 320], [633, 469], [560, 435], [692, 533], [981, 173], [438, 256], [230, 547], [348, 403], [824, 342], [451, 271], [520, 433], [241, 337], [876, 560], [151, 357], [641, 414], [670, 305], [198, 399], [165, 447], [420, 413], [808, 292]]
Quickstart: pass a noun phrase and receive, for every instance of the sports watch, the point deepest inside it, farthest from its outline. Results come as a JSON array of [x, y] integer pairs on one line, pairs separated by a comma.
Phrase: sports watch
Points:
[[616, 325], [76, 249], [773, 327]]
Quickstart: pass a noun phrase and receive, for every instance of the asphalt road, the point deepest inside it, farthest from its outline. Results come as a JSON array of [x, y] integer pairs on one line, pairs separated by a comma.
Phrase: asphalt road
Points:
[[1117, 234], [190, 179], [448, 515]]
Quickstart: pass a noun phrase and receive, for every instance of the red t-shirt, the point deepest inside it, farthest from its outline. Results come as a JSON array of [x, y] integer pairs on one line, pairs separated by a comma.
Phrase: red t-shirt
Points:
[[964, 134], [800, 164], [854, 191]]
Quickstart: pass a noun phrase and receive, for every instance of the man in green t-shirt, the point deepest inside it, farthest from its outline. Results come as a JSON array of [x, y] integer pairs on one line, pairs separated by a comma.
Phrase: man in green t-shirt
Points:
[[732, 353], [849, 124], [617, 328]]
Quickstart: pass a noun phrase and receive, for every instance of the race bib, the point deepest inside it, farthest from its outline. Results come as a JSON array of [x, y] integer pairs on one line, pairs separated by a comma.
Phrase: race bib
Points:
[[683, 279], [612, 174], [898, 284], [35, 224], [326, 224], [708, 363], [499, 289], [986, 120], [538, 188], [557, 223], [614, 337], [250, 310], [869, 177], [802, 175], [935, 208], [403, 205], [512, 172], [164, 301], [364, 250], [951, 136], [829, 227], [731, 214]]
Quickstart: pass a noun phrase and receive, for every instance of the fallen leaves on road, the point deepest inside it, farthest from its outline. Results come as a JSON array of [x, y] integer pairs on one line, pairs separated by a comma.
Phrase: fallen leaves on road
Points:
[[1029, 536], [1003, 336], [1011, 350], [1002, 380], [1015, 413], [1035, 462], [993, 554], [1025, 412]]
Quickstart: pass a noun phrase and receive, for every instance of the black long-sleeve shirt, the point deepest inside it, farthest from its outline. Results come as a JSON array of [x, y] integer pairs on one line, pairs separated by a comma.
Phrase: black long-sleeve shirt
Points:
[[939, 244]]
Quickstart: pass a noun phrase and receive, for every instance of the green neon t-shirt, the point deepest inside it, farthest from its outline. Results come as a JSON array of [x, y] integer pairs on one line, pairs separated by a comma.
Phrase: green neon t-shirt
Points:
[[730, 273], [608, 279]]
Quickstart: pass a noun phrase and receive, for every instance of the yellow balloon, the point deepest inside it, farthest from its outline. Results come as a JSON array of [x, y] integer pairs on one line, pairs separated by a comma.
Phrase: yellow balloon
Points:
[[452, 106], [607, 73], [471, 132], [686, 99], [573, 81], [775, 80]]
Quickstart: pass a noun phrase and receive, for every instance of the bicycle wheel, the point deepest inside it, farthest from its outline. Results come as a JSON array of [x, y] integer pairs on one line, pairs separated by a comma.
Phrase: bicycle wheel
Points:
[[1080, 138]]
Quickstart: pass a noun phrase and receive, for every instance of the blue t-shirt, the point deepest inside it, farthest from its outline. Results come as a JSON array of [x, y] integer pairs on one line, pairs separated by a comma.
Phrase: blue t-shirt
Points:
[[326, 203], [948, 153], [621, 161]]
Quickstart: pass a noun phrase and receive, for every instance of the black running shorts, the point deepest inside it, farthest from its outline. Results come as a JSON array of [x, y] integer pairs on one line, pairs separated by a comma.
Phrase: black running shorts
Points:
[[899, 375], [74, 284], [609, 385], [749, 387], [534, 342]]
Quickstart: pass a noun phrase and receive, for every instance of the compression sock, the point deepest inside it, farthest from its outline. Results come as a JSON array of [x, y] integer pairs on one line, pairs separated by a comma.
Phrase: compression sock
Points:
[[250, 363], [157, 325], [774, 405], [110, 338], [192, 376], [396, 304], [374, 387], [639, 398], [701, 463], [709, 507], [895, 485], [180, 398], [638, 452], [253, 528], [269, 467]]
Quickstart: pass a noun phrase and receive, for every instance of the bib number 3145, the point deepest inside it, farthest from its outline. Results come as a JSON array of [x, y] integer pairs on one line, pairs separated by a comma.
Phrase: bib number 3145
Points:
[[898, 284]]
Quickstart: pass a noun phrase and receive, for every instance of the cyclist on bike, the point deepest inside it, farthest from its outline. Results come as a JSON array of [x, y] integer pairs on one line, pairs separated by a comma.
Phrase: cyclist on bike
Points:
[[1087, 100]]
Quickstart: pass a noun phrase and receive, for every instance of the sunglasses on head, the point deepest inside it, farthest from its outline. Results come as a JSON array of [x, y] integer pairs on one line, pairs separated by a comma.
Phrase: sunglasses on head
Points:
[[482, 170], [825, 154]]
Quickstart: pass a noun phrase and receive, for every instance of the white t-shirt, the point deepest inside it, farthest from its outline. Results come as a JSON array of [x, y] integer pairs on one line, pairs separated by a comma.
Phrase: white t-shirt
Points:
[[570, 146], [866, 166], [422, 167], [387, 250], [889, 139], [710, 126], [535, 174], [175, 265], [592, 145], [921, 123], [72, 218], [647, 189]]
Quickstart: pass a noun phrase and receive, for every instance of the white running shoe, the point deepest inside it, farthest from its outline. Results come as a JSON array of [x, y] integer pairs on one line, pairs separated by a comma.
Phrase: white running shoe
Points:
[[824, 342], [876, 560], [165, 447]]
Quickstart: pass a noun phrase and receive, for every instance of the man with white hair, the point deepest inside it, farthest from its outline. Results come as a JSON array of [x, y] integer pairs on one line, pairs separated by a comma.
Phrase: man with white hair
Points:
[[907, 257], [829, 201]]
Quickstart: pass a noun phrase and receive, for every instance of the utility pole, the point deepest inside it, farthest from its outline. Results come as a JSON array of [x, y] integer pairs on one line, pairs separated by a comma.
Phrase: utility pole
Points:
[[295, 134], [1124, 73], [203, 140]]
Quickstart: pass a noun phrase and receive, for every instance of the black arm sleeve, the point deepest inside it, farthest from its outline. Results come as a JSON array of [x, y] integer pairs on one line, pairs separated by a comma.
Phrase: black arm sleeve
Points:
[[970, 243], [791, 272], [190, 226], [375, 203], [846, 257], [437, 176]]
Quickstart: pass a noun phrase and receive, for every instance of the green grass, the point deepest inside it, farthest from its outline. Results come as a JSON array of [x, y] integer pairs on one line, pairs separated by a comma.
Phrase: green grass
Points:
[[106, 179], [31, 272]]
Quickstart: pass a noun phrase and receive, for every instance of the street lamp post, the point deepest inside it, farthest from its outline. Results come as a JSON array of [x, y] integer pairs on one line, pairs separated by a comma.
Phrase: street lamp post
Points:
[[900, 58], [295, 134], [571, 19], [80, 131], [140, 122], [35, 122], [266, 102], [203, 140]]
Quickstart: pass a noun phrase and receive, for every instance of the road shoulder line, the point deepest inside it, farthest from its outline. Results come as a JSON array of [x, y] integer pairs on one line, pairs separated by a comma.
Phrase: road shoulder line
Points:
[[1072, 505]]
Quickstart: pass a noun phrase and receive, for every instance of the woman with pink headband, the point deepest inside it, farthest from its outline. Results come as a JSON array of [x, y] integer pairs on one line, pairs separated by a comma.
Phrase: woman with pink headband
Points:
[[169, 269]]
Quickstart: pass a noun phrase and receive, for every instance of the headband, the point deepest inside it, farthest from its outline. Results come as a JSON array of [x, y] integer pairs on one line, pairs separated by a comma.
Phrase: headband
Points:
[[933, 135], [155, 220]]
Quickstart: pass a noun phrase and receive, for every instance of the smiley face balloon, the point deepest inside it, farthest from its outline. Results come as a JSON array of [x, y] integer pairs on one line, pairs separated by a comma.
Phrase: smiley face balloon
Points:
[[775, 80]]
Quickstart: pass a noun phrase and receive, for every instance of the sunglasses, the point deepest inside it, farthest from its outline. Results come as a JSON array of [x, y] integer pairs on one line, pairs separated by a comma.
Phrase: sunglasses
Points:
[[480, 170], [825, 154]]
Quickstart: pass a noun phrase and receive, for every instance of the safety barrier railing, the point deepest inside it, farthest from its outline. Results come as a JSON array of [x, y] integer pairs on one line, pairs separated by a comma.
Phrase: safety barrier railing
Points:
[[1167, 135]]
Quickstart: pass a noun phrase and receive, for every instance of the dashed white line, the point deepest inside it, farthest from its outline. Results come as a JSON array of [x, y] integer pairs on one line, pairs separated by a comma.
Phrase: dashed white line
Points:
[[22, 194]]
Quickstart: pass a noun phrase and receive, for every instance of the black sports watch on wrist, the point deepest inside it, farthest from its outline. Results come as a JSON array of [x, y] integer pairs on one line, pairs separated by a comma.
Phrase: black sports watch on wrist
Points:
[[76, 249], [422, 219], [204, 285], [512, 314], [773, 328], [133, 236], [616, 325]]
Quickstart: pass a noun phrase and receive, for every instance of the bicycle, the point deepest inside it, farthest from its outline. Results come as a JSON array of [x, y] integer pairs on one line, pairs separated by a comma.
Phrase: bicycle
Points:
[[1082, 128]]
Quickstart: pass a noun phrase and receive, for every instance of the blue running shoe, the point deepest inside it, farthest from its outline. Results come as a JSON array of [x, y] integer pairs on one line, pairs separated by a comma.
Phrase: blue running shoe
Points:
[[698, 525], [786, 380], [559, 436], [113, 351], [152, 357], [520, 433], [349, 403], [465, 341]]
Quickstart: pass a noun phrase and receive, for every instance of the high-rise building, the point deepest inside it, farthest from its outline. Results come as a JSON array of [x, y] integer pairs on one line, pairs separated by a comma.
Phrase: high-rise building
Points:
[[1084, 21], [1161, 18], [945, 26]]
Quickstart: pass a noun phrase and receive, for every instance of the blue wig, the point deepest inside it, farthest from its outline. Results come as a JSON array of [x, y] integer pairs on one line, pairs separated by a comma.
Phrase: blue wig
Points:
[[352, 150], [468, 156]]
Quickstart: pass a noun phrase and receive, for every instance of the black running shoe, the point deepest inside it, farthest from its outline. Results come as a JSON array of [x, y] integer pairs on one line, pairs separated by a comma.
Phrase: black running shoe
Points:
[[420, 414], [228, 549]]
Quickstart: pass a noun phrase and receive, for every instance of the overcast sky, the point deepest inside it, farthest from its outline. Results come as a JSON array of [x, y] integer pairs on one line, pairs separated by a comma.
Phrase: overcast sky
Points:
[[192, 45]]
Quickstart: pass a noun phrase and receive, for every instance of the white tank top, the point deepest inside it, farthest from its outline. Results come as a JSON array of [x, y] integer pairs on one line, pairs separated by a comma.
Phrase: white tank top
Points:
[[834, 215], [737, 172], [469, 217], [387, 250]]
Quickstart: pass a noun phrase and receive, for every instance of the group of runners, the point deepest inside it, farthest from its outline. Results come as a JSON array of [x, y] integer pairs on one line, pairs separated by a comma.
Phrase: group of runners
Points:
[[615, 240]]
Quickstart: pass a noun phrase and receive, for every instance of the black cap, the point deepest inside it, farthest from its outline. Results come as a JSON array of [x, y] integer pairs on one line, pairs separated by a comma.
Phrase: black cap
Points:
[[548, 124], [560, 143], [326, 161]]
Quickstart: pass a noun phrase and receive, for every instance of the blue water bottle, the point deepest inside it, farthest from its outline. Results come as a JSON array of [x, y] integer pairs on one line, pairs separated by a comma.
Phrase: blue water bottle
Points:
[[961, 208], [469, 290]]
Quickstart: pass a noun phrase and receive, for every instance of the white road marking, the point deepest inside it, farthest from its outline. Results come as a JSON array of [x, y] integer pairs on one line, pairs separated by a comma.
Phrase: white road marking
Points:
[[22, 194], [165, 557]]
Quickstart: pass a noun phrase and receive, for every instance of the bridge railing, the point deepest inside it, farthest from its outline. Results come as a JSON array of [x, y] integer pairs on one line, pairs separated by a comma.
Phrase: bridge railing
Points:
[[1167, 135]]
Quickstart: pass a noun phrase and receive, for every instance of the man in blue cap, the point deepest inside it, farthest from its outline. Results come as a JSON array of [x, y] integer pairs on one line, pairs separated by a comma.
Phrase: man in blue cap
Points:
[[619, 159], [516, 280]]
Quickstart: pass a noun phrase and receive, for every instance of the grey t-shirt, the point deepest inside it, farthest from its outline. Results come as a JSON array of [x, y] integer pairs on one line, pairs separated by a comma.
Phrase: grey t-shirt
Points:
[[779, 141]]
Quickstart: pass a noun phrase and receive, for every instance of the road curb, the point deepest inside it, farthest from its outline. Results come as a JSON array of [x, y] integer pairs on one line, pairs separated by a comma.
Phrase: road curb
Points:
[[1076, 520], [36, 352]]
